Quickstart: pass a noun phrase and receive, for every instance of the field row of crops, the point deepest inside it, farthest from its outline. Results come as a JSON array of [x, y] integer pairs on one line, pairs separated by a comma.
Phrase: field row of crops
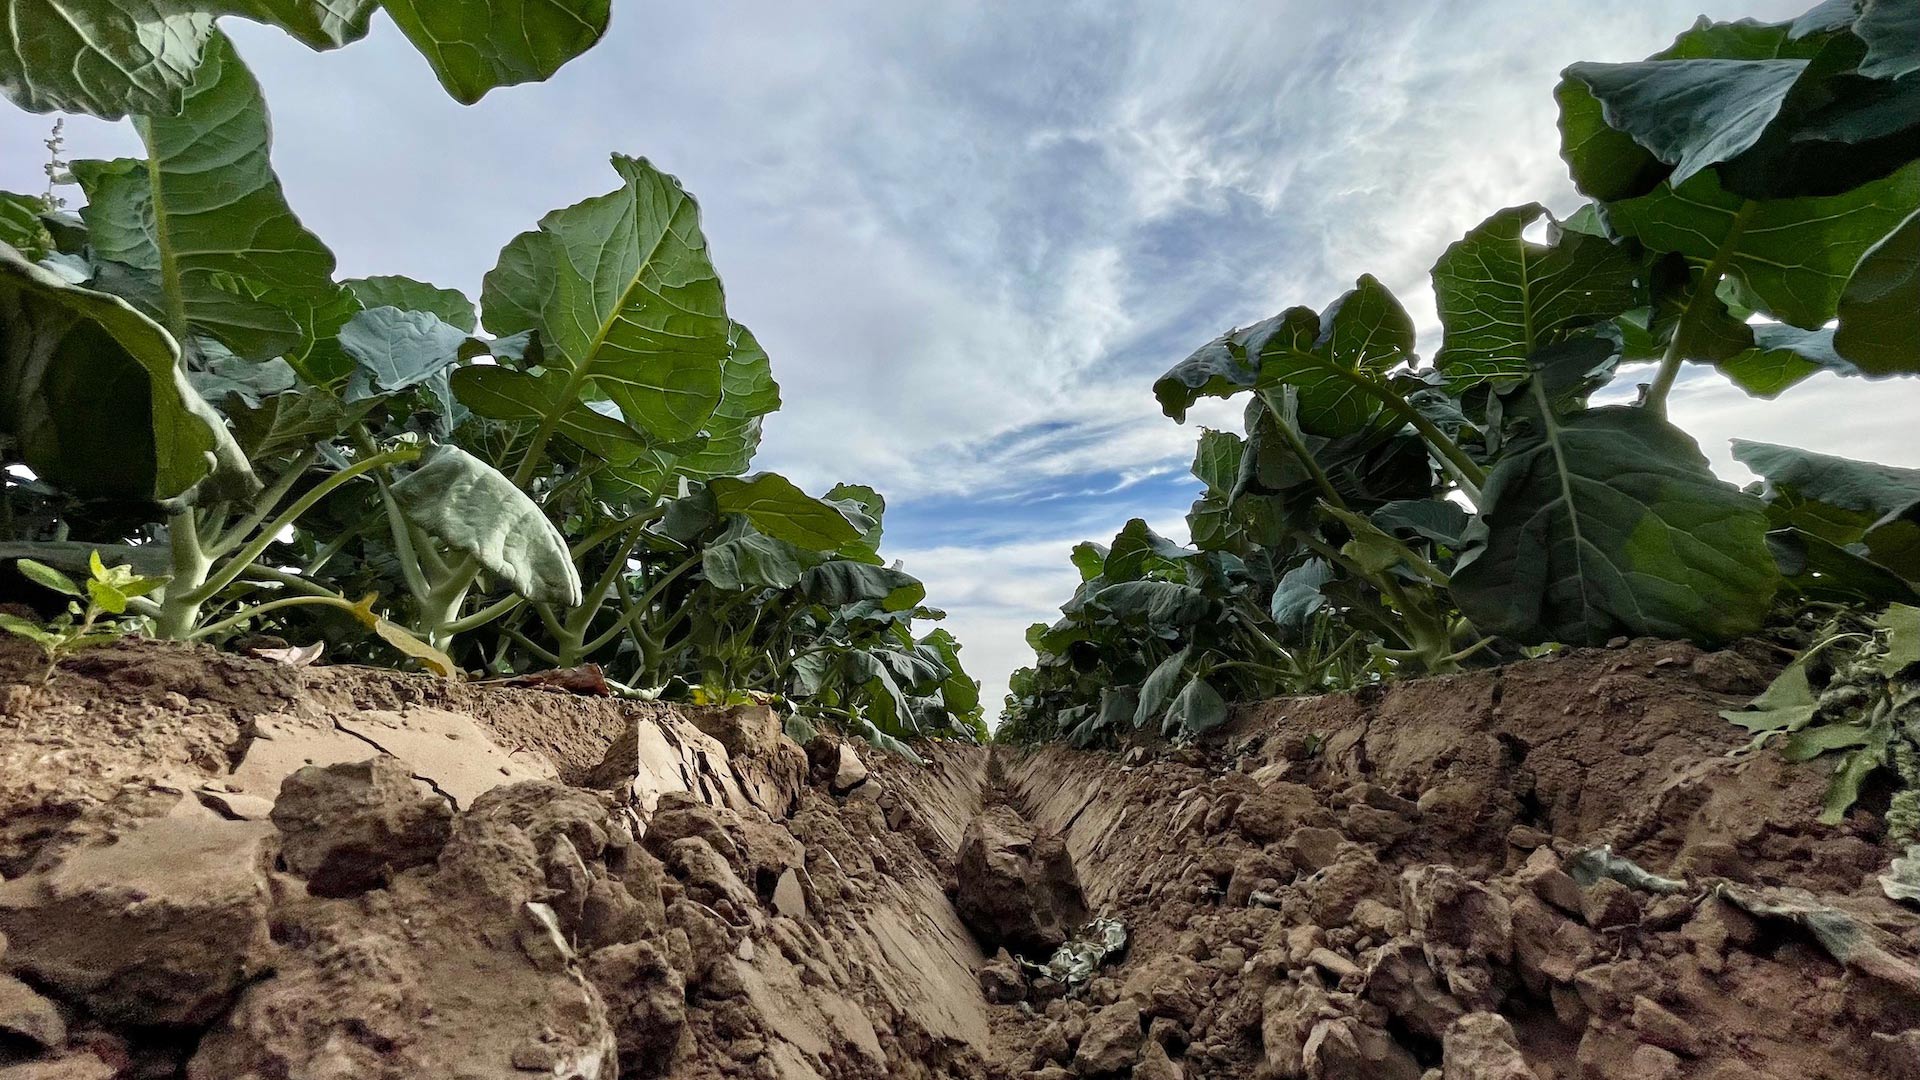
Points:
[[243, 446]]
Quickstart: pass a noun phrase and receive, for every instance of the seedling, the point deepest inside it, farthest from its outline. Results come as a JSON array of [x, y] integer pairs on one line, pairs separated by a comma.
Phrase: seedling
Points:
[[92, 616]]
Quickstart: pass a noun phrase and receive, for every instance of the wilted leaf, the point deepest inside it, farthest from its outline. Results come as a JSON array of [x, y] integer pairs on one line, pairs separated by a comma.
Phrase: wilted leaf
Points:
[[468, 505]]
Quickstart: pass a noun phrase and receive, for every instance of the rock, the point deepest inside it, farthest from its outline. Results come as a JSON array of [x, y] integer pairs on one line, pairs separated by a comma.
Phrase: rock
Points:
[[26, 1017], [347, 828], [646, 1003], [458, 970], [1341, 968], [1016, 888], [69, 1067], [1652, 1063], [1897, 1055], [447, 749], [1355, 875], [1312, 847], [1256, 869], [1458, 916], [612, 915], [1482, 1046], [1276, 810], [1542, 876], [1346, 1049], [1376, 919], [1112, 1041], [1372, 825], [1663, 1029], [1169, 986], [789, 899], [1289, 1014], [1001, 980], [159, 928], [1609, 904], [1548, 948], [655, 757], [1154, 1064], [708, 877], [849, 771], [1051, 1044], [1401, 982]]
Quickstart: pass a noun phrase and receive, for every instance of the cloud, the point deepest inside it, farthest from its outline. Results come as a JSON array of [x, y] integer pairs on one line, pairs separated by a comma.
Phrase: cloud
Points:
[[970, 235]]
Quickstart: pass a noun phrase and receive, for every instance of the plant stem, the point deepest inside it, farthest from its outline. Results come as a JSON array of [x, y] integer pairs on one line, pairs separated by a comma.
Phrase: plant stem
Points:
[[1466, 472], [180, 604], [1700, 300], [272, 605], [238, 564], [1299, 447]]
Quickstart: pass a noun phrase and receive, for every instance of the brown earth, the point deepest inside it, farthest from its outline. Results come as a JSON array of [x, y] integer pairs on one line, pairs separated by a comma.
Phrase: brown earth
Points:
[[214, 866]]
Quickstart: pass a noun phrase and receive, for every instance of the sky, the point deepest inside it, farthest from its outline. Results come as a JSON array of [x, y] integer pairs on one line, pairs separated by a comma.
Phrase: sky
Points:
[[971, 235]]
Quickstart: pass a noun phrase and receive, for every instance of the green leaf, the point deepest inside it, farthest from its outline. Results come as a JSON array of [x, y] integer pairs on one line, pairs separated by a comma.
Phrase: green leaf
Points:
[[96, 399], [20, 225], [1198, 709], [1836, 498], [47, 577], [14, 624], [103, 57], [1439, 520], [862, 501], [752, 561], [961, 694], [839, 582], [1225, 366], [1880, 306], [1782, 356], [1157, 692], [1791, 256], [747, 393], [1216, 460], [1787, 704], [1609, 521], [475, 46], [1894, 541], [1503, 297], [1363, 333], [208, 218], [405, 293], [1137, 551], [468, 505], [783, 511], [1090, 559], [1299, 595], [393, 350], [1902, 625], [1162, 605], [502, 393], [1891, 29], [625, 300], [219, 375], [1819, 569], [1690, 114]]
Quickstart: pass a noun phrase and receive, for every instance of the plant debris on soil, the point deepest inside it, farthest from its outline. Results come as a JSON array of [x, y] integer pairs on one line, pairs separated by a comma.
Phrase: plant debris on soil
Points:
[[226, 867]]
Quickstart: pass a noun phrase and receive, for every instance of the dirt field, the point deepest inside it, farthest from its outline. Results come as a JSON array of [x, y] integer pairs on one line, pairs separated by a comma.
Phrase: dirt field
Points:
[[217, 866]]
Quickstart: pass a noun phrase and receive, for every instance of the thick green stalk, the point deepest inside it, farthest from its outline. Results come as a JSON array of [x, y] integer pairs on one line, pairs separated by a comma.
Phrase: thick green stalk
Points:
[[179, 603], [1706, 289]]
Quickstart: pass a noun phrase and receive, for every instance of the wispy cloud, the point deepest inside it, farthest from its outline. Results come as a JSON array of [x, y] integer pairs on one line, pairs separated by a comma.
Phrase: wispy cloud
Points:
[[971, 234]]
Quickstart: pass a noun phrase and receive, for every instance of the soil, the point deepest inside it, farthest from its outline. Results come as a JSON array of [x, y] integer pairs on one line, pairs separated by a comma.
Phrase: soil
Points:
[[217, 866]]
